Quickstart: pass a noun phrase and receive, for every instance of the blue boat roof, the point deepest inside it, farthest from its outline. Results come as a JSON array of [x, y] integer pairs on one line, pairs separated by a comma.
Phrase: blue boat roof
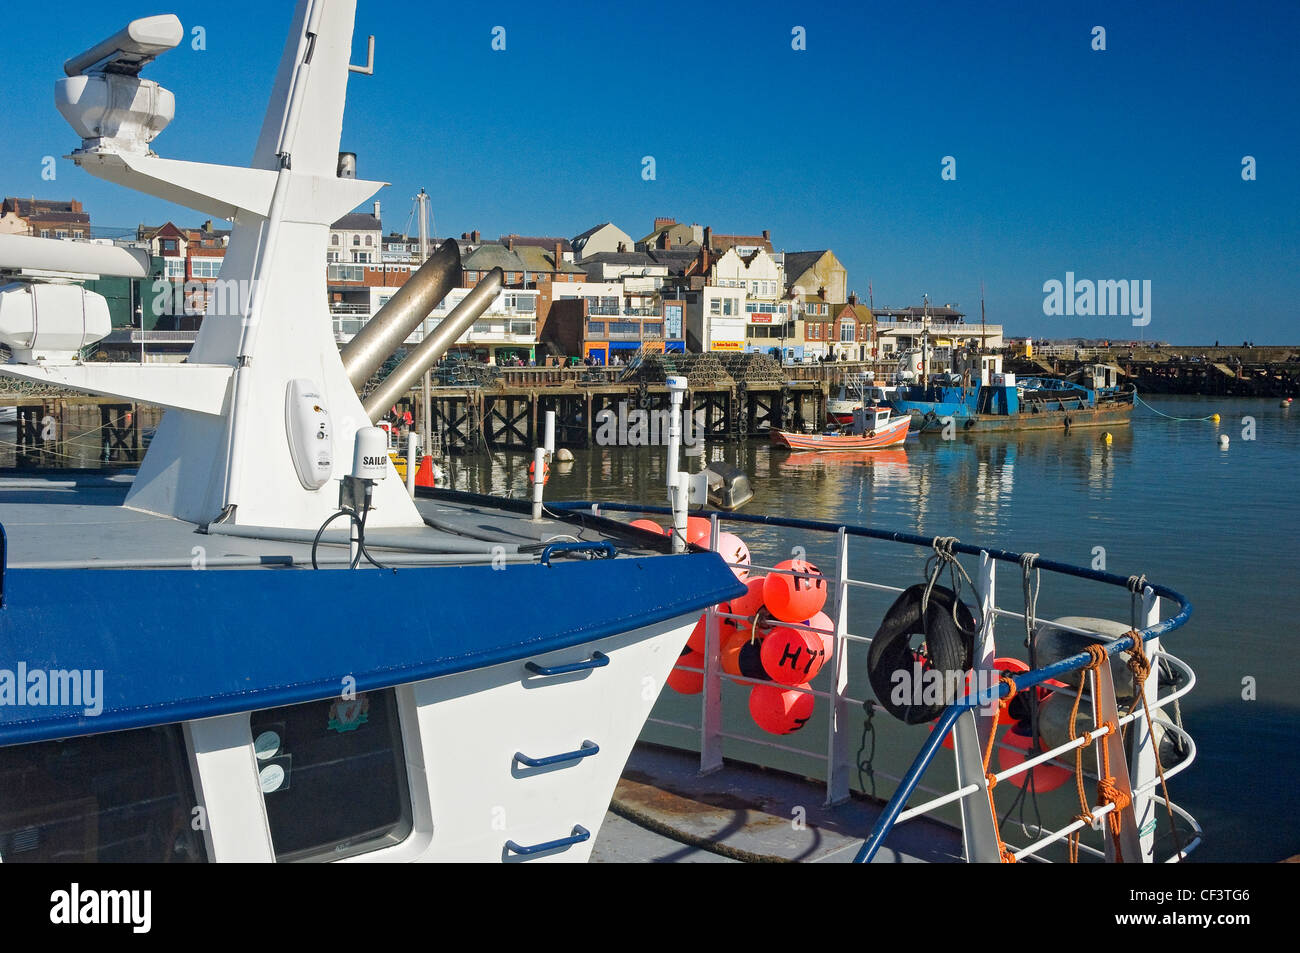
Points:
[[174, 645]]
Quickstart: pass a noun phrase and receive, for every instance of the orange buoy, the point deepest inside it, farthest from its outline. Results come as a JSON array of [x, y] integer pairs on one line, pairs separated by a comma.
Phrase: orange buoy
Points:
[[731, 649], [752, 601], [687, 683], [780, 711], [1047, 776], [822, 621], [1008, 666], [793, 656], [726, 628], [733, 549], [649, 526], [797, 597], [698, 530]]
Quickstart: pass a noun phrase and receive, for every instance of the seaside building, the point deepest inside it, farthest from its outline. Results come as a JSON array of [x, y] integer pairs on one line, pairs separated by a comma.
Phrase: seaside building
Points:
[[606, 237], [44, 218]]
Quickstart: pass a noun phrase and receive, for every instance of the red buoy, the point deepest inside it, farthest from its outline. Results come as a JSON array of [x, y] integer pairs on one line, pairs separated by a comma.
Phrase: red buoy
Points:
[[650, 526], [793, 656], [1047, 776], [822, 621], [731, 650], [780, 711], [698, 530], [726, 629], [796, 597], [687, 683], [752, 601]]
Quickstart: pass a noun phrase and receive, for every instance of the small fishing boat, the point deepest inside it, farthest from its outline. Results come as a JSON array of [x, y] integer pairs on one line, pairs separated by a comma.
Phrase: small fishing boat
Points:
[[874, 428]]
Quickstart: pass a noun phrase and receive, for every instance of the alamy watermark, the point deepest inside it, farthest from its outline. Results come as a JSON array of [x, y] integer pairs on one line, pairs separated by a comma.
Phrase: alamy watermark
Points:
[[645, 428], [932, 686], [1102, 298], [53, 688]]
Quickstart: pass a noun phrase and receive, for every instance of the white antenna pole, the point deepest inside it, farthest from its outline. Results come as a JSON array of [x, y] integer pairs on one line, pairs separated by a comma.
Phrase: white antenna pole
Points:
[[427, 402]]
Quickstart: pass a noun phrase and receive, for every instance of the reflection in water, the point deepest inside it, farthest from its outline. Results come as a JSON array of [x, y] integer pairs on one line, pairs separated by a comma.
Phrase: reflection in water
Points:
[[1161, 499]]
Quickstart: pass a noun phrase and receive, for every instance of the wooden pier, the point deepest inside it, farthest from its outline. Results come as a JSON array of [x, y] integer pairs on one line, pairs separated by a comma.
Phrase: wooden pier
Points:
[[511, 415], [1210, 371]]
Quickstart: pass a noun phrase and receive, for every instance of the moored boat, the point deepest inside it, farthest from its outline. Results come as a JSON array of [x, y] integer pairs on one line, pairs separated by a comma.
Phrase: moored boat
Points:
[[874, 428]]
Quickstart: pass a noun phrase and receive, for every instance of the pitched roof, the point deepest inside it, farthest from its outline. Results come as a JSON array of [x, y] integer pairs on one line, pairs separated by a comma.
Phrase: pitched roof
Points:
[[538, 258], [539, 241], [358, 222], [589, 232], [797, 262], [619, 258], [722, 243], [491, 255], [676, 260]]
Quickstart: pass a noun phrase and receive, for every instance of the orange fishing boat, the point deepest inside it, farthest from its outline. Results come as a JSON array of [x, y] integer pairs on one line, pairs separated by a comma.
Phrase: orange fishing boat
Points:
[[873, 429]]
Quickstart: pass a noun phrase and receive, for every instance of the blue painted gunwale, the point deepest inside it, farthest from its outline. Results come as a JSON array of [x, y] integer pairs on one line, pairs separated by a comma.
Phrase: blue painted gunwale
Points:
[[176, 645]]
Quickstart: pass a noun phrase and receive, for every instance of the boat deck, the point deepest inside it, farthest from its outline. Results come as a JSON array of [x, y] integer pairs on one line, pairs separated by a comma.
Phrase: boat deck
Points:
[[664, 811], [54, 521]]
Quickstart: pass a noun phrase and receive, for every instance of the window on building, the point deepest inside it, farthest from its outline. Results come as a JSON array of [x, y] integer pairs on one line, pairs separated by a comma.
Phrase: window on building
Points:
[[673, 320], [45, 233], [356, 241], [332, 256], [169, 244], [847, 326], [334, 239], [370, 241], [207, 267], [333, 776], [715, 306], [175, 267], [124, 796], [61, 233], [362, 257]]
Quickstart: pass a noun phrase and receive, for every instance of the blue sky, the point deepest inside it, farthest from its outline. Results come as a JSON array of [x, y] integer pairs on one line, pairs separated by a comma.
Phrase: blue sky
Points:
[[1116, 164]]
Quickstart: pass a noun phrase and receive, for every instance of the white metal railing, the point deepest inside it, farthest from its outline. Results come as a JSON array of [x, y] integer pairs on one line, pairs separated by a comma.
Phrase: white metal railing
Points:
[[971, 793]]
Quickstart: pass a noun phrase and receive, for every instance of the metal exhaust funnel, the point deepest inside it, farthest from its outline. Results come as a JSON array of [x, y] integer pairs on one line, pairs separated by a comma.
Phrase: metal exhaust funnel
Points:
[[393, 323], [432, 348]]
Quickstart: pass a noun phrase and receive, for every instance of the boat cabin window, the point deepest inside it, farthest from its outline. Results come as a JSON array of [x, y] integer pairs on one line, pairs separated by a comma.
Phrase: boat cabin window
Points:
[[333, 776], [125, 796]]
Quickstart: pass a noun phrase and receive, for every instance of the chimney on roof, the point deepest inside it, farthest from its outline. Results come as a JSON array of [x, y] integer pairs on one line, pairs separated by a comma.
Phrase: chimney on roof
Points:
[[207, 226], [664, 223], [622, 247], [474, 236], [666, 243], [510, 242], [558, 258], [853, 297], [376, 210], [708, 237], [767, 236], [464, 236]]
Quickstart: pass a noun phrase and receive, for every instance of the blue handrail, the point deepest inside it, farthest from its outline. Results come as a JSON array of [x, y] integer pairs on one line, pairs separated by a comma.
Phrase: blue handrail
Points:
[[597, 660], [579, 835], [946, 721], [586, 751]]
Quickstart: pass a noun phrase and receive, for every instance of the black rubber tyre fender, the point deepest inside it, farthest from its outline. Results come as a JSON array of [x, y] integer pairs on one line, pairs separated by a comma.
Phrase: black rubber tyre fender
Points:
[[947, 649]]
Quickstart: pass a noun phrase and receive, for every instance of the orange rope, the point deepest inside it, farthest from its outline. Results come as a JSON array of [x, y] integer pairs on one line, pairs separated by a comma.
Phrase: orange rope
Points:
[[1007, 856], [1140, 666], [1097, 654]]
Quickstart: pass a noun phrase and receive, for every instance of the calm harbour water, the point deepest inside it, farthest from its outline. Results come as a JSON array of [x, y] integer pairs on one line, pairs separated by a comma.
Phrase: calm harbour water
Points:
[[1162, 499]]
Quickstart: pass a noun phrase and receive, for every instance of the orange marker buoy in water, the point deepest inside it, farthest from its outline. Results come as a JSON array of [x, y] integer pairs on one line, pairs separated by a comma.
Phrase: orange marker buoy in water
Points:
[[779, 711], [1047, 776], [650, 526], [687, 683], [796, 597], [793, 656]]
